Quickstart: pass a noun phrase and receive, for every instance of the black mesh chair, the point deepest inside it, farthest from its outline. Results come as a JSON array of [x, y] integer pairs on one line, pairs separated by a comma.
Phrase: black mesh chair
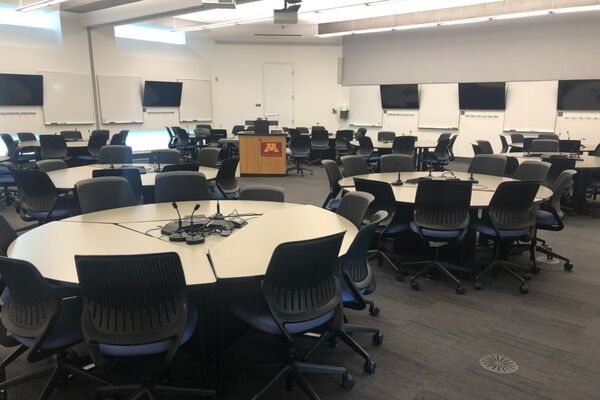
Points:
[[118, 139], [209, 157], [38, 198], [180, 186], [444, 136], [71, 135], [404, 145], [26, 137], [132, 175], [216, 135], [184, 143], [544, 146], [204, 126], [512, 163], [50, 165], [96, 142], [46, 321], [505, 147], [115, 154], [485, 146], [386, 136], [516, 138], [334, 175], [354, 165], [263, 193], [396, 163], [476, 149], [300, 152], [342, 143], [354, 206], [237, 128], [488, 164], [395, 223], [181, 167], [532, 170], [510, 218], [440, 156], [285, 304], [451, 146], [14, 152], [443, 220], [557, 166], [104, 132], [226, 180], [303, 130], [551, 136], [104, 193], [360, 132], [165, 156], [136, 306], [367, 151], [7, 236], [319, 144], [317, 128], [527, 142], [53, 147], [569, 146]]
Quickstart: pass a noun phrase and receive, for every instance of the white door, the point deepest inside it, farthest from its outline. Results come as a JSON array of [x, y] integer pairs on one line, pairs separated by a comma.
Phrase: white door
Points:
[[278, 83]]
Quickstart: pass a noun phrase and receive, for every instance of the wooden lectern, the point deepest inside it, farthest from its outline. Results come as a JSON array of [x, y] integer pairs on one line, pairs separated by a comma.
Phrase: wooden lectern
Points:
[[262, 154]]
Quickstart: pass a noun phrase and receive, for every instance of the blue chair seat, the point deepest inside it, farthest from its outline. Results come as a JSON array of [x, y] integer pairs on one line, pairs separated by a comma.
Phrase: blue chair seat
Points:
[[393, 229], [489, 231], [348, 297], [334, 204], [545, 218], [438, 234], [155, 347]]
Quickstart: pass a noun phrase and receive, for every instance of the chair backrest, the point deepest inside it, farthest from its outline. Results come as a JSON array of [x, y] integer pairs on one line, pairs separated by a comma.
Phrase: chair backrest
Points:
[[9, 142], [7, 235], [485, 146], [360, 132], [53, 146], [104, 193], [444, 136], [228, 169], [596, 152], [36, 190], [557, 166], [569, 146], [504, 144], [552, 136], [365, 146], [298, 270], [180, 186], [562, 186], [71, 135], [451, 146], [204, 126], [511, 207], [319, 138], [527, 142], [347, 134], [216, 134], [441, 150], [404, 145], [131, 174], [97, 141], [103, 132], [237, 128], [263, 193], [115, 154], [476, 149], [383, 193], [303, 130], [293, 132], [132, 300], [511, 166], [488, 164], [386, 136], [516, 138], [318, 128], [300, 144], [26, 136], [354, 165], [50, 165], [334, 175], [117, 139], [396, 163], [449, 211], [545, 146], [354, 206], [209, 157], [194, 167], [165, 156], [532, 170]]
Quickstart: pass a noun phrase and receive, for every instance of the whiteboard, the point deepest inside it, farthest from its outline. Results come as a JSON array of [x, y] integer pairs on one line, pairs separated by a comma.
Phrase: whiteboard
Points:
[[196, 101], [531, 106], [365, 106], [439, 107], [120, 99], [68, 98]]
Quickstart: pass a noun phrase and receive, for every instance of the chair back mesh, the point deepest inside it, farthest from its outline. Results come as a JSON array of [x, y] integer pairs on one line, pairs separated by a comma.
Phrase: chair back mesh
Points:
[[36, 190], [354, 206], [488, 164], [404, 145], [511, 207], [354, 165], [449, 211], [53, 146]]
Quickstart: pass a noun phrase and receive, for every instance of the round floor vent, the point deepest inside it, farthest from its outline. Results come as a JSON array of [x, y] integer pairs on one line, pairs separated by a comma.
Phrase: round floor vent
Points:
[[498, 364]]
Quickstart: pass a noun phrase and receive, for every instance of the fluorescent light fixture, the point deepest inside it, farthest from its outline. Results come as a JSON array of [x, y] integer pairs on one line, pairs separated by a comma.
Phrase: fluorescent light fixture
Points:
[[416, 26], [569, 10], [464, 21], [39, 4], [150, 34], [333, 34], [222, 24], [374, 30], [521, 15], [39, 19]]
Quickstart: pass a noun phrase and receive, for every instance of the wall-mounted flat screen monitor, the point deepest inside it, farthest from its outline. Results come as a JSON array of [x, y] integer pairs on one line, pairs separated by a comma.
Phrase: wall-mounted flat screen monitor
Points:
[[21, 90], [399, 96], [162, 94], [579, 95], [482, 96]]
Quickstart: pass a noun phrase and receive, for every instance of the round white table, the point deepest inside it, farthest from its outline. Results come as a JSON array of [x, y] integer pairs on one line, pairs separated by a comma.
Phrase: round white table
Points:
[[65, 179], [480, 198], [136, 230], [419, 144], [70, 144]]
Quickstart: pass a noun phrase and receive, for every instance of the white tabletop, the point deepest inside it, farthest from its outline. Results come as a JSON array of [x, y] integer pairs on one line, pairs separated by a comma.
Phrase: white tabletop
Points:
[[67, 178], [419, 144], [36, 143], [584, 161], [480, 198]]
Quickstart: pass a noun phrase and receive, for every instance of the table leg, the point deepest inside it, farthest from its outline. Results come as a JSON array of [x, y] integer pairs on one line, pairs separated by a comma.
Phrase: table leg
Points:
[[580, 191]]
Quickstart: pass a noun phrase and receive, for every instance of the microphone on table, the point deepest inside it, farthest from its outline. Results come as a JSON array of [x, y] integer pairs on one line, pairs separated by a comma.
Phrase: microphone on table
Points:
[[218, 214], [178, 235], [472, 178], [192, 237], [398, 181]]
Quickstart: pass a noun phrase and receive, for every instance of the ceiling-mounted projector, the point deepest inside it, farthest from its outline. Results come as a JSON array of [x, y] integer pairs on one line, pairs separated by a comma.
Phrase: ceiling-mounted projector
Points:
[[289, 14]]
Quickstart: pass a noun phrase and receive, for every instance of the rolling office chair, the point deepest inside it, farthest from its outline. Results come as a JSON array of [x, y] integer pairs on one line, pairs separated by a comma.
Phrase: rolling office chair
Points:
[[396, 163], [50, 165], [360, 132], [300, 151], [569, 146], [532, 170], [53, 147], [96, 142], [444, 136], [544, 146], [14, 152], [180, 186], [386, 136], [237, 128], [440, 156], [451, 147], [511, 166], [216, 135], [104, 132], [164, 156], [104, 193], [46, 321], [488, 164], [395, 223], [505, 147], [209, 157], [441, 220], [319, 144], [551, 136], [303, 130], [557, 166], [348, 134], [285, 304], [404, 145], [485, 146], [204, 126], [527, 144], [510, 218], [226, 180], [71, 135], [263, 193], [516, 138], [132, 175], [476, 149], [342, 143], [194, 167], [26, 137], [354, 206], [367, 151], [115, 154], [136, 306], [317, 128], [118, 139], [354, 165], [549, 216], [334, 175], [184, 144]]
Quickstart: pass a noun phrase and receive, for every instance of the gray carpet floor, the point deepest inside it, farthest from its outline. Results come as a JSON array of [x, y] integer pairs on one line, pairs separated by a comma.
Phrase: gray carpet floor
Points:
[[434, 338]]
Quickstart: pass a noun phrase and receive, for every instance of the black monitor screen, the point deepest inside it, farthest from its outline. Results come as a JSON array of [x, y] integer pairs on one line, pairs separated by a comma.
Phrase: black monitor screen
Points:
[[21, 90], [162, 94], [579, 95], [399, 96], [482, 96]]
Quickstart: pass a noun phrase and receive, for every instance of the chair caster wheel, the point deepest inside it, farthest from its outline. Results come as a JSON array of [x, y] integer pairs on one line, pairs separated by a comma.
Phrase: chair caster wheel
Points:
[[568, 266], [414, 285], [370, 366], [399, 277], [377, 339], [460, 290], [347, 381], [477, 286], [535, 269], [523, 289], [527, 276], [374, 311]]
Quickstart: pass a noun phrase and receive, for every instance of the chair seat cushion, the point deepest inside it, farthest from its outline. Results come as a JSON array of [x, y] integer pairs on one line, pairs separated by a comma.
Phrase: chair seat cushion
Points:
[[489, 231], [393, 229], [155, 347], [348, 297], [334, 204], [545, 218], [434, 233]]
